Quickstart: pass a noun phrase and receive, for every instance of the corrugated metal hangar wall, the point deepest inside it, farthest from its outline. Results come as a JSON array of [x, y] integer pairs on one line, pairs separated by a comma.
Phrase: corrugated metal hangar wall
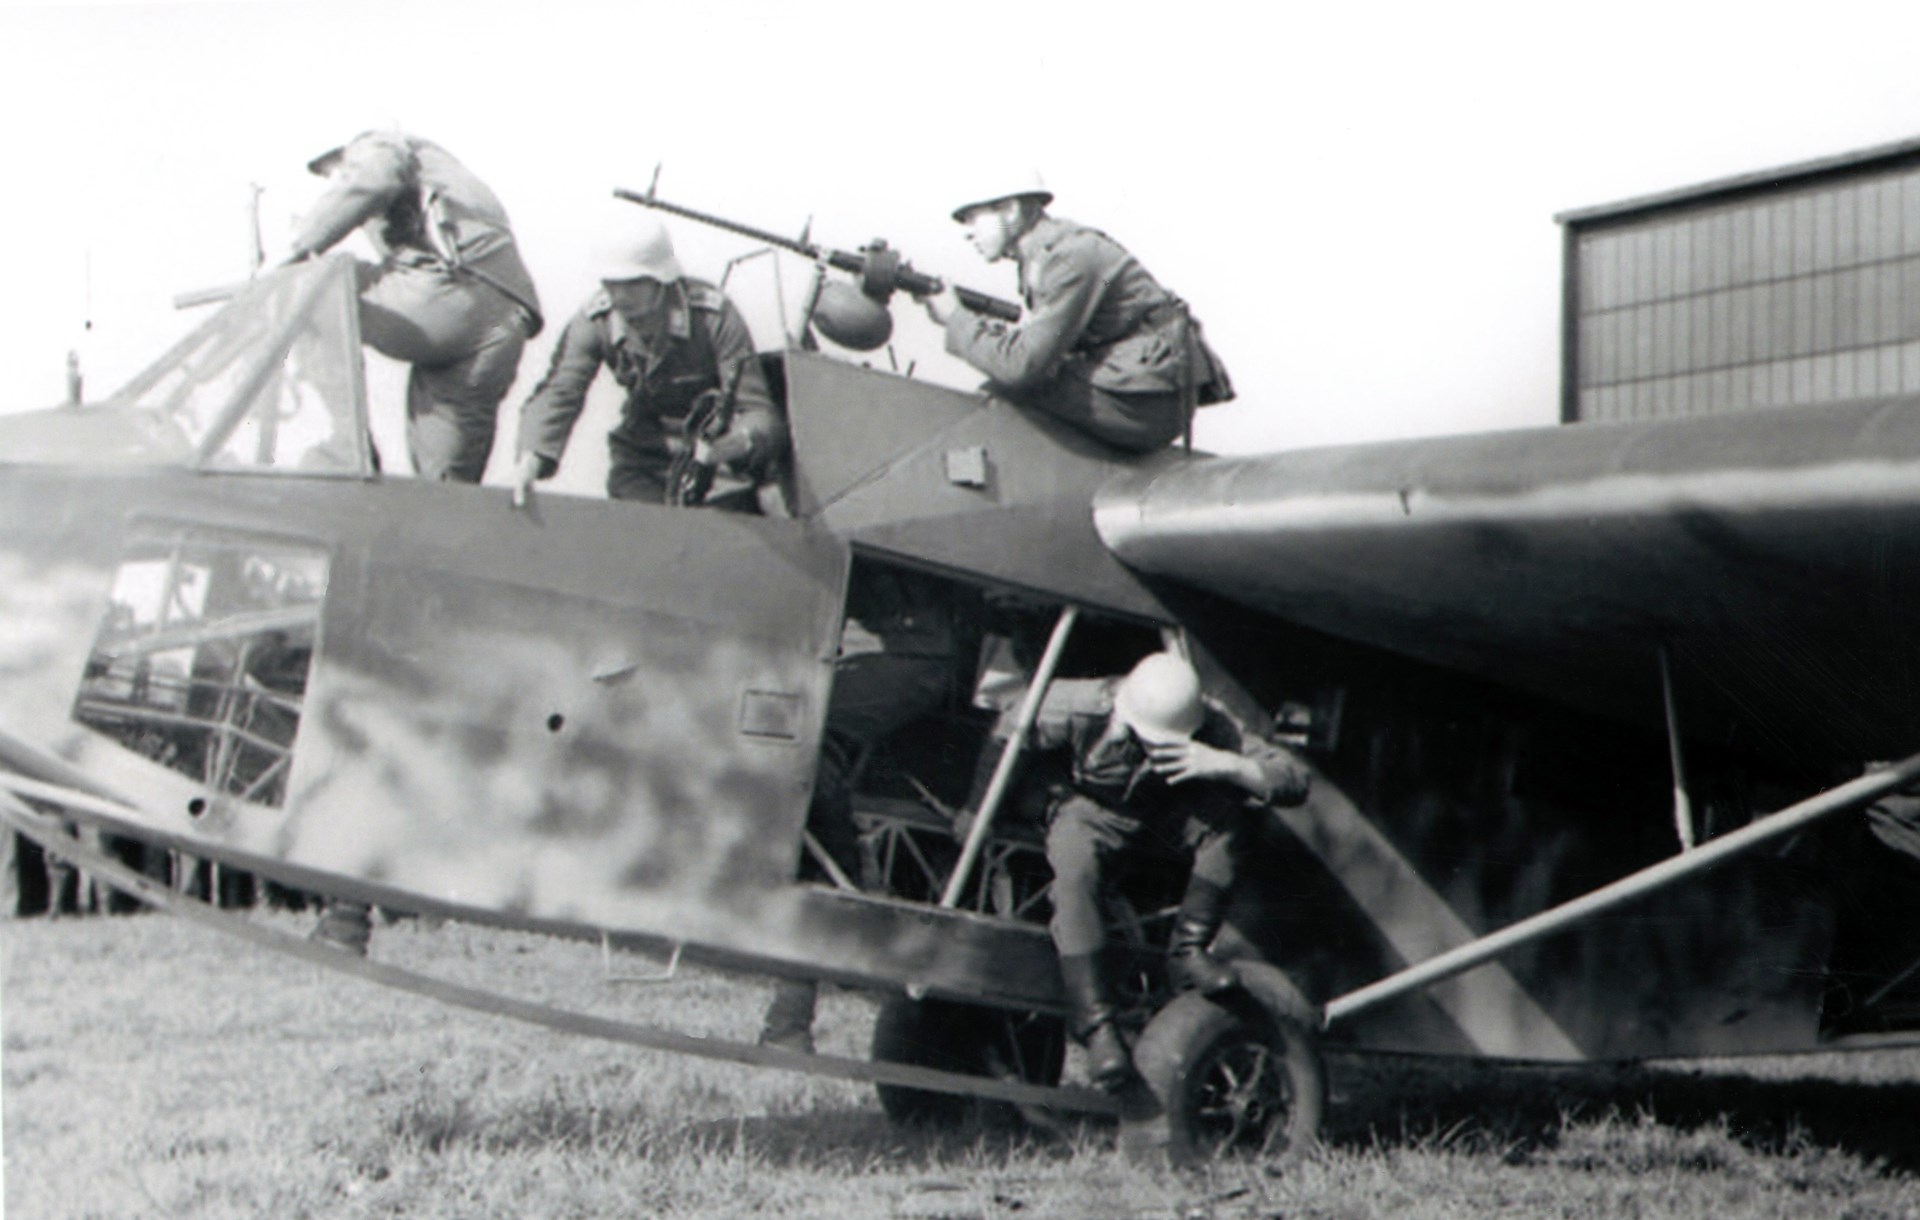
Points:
[[1794, 285]]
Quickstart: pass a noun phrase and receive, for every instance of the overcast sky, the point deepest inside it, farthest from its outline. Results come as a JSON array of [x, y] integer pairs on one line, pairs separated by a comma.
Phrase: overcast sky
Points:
[[1357, 199]]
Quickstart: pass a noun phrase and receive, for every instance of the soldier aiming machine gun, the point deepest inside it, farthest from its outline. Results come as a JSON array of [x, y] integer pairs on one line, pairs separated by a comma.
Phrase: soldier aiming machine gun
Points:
[[854, 320]]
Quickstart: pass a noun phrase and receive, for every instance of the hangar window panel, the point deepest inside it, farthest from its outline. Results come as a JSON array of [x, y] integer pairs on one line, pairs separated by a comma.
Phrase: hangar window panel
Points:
[[1636, 275], [1867, 325], [1845, 382], [1731, 333], [1823, 299], [1693, 333], [1801, 314], [1730, 386], [1759, 244], [1779, 384], [1664, 259], [1740, 247], [1606, 371], [1910, 214], [1779, 319], [1661, 321], [1828, 219], [1909, 294], [1886, 209], [1800, 236], [1893, 327], [1659, 397], [1843, 226], [1777, 259], [1596, 269], [1711, 235]]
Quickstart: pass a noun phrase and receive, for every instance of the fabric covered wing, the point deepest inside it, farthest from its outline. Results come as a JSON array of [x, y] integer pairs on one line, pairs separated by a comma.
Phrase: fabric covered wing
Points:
[[1774, 554]]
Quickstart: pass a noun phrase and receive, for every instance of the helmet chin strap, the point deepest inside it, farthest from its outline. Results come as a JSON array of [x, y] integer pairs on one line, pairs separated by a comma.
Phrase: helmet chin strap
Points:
[[1026, 214]]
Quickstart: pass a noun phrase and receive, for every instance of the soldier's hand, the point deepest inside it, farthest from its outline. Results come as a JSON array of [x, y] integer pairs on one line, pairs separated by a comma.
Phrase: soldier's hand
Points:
[[525, 471], [940, 305], [1180, 761]]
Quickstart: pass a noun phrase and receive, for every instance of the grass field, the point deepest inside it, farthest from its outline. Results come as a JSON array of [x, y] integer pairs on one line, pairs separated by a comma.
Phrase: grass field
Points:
[[154, 1069]]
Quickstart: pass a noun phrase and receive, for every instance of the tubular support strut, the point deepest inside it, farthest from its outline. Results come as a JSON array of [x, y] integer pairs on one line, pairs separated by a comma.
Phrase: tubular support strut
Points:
[[1003, 770], [46, 832], [1682, 802], [1852, 795]]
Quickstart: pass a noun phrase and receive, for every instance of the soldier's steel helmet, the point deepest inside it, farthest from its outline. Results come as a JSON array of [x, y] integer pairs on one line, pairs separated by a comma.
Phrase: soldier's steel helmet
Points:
[[1160, 699], [638, 251], [1017, 186]]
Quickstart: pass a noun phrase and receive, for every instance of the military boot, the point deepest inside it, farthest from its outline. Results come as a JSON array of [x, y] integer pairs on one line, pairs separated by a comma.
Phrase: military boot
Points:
[[1189, 966], [1093, 1021], [789, 1020]]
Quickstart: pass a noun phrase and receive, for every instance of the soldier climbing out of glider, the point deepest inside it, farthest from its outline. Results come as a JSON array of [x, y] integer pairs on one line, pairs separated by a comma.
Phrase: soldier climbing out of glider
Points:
[[450, 295], [1153, 769]]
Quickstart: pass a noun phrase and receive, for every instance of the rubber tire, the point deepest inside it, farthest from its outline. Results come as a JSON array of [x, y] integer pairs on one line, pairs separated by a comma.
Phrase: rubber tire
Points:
[[1191, 1053], [955, 1037]]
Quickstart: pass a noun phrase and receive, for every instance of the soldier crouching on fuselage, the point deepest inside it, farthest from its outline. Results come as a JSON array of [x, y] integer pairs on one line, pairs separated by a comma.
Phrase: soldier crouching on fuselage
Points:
[[669, 340], [1102, 345]]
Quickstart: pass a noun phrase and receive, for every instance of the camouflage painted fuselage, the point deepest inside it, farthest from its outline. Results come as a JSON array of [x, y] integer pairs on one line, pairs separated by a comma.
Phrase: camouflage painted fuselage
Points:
[[598, 718]]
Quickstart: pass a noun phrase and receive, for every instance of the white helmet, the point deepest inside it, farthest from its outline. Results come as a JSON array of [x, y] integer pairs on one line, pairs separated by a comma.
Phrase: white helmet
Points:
[[1015, 185], [1160, 699], [638, 249]]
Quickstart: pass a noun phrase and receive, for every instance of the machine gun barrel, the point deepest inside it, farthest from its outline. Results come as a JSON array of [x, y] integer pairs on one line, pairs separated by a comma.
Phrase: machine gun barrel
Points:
[[879, 269]]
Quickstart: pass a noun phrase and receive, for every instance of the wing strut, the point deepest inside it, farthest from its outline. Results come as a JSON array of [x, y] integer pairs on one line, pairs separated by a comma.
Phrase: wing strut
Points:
[[1852, 795], [1003, 771], [1682, 803]]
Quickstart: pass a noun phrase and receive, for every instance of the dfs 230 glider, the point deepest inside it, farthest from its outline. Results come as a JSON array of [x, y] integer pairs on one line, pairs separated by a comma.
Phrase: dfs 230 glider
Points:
[[1589, 712]]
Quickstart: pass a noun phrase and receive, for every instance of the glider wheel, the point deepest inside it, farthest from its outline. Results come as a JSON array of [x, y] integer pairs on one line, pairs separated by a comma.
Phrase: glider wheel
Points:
[[1235, 1074]]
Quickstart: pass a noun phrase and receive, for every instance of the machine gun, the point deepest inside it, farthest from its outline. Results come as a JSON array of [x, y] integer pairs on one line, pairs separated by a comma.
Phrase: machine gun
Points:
[[689, 476], [876, 267]]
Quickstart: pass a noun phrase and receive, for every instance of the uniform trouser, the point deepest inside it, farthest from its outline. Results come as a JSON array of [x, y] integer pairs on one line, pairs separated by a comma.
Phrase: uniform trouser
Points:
[[874, 694], [1134, 422], [1086, 839], [636, 471], [463, 339]]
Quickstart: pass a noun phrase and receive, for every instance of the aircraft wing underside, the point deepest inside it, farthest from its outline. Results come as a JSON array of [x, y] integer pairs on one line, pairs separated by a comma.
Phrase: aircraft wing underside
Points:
[[1774, 555]]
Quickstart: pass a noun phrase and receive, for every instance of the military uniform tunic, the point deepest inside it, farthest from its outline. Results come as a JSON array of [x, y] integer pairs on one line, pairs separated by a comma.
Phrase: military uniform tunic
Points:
[[699, 340], [451, 296], [1102, 344], [1113, 804]]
